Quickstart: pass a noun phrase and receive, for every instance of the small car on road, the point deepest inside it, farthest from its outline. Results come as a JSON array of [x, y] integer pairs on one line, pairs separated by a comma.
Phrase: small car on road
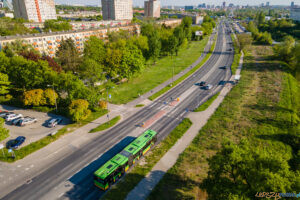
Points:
[[11, 117], [53, 122], [202, 83], [208, 87], [16, 143]]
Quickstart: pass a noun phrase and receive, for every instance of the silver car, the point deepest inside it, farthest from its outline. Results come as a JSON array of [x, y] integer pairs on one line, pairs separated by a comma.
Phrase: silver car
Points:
[[208, 87], [27, 121], [11, 117]]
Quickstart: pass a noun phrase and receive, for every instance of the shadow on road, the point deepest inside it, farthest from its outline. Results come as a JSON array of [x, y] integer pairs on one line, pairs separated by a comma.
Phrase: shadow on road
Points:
[[83, 180]]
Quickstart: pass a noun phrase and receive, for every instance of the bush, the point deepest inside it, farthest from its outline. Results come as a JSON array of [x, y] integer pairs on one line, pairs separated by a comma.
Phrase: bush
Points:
[[103, 104], [78, 110]]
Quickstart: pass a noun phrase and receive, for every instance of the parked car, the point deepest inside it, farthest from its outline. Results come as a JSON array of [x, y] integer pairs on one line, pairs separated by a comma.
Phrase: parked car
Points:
[[27, 121], [53, 122], [11, 117], [223, 67], [3, 114], [16, 143], [15, 121], [208, 87]]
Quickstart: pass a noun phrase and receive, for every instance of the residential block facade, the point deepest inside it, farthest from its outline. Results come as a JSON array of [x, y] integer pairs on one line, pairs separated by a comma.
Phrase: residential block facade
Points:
[[117, 9], [35, 10], [152, 8]]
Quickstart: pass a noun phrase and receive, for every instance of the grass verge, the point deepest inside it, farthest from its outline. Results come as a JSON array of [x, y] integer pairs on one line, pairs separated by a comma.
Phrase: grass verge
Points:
[[165, 89], [139, 105], [156, 74], [237, 55], [34, 146], [106, 125], [121, 190], [263, 108], [206, 104]]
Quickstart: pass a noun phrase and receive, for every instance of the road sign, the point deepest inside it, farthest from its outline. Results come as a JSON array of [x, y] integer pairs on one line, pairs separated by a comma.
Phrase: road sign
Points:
[[109, 96], [187, 110], [10, 150], [1, 146]]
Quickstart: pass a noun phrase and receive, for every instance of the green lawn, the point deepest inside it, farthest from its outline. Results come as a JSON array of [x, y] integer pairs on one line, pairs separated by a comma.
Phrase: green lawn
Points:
[[263, 108], [165, 89], [106, 125], [32, 147], [139, 105], [206, 104], [121, 190], [156, 74]]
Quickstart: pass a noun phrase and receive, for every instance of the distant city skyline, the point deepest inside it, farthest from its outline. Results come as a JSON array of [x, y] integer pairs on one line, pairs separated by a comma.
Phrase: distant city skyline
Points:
[[186, 2]]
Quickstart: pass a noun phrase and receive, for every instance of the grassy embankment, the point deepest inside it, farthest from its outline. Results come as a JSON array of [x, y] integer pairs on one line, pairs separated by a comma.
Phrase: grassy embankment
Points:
[[106, 125], [264, 104], [237, 55], [34, 146], [156, 74], [165, 89], [121, 190]]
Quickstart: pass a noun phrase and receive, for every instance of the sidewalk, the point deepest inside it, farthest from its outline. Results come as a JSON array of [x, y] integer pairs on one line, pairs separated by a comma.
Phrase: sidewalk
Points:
[[199, 119], [15, 174]]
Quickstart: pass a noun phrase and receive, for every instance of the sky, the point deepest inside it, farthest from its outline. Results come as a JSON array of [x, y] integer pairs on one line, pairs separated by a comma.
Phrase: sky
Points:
[[187, 2]]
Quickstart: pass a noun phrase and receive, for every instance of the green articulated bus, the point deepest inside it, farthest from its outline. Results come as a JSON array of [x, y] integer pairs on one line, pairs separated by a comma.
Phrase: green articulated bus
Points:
[[113, 169]]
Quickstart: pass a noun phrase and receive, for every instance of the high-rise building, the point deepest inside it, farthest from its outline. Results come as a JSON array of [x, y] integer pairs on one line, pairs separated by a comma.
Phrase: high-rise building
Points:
[[152, 8], [37, 10], [224, 4], [117, 9], [295, 14], [292, 4], [189, 7], [268, 3]]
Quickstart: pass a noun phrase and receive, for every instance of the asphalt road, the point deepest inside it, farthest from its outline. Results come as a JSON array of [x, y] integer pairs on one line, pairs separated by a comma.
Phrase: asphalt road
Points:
[[74, 173]]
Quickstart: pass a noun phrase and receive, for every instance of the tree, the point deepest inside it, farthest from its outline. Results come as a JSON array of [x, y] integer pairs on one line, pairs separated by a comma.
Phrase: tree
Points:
[[244, 40], [242, 170], [261, 18], [68, 56], [284, 50], [94, 49], [154, 46], [4, 84], [78, 110], [4, 62], [91, 71], [33, 97], [173, 46], [55, 25], [49, 97]]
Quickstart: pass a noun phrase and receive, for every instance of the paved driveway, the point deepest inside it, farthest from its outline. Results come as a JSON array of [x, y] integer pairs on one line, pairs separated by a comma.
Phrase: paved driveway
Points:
[[32, 132]]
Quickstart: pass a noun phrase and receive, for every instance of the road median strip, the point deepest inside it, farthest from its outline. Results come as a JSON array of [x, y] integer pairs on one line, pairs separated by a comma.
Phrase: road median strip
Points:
[[182, 78], [106, 125], [207, 103], [128, 183]]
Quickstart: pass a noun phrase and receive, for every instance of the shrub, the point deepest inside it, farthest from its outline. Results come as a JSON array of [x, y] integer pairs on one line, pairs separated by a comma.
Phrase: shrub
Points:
[[103, 104], [78, 110]]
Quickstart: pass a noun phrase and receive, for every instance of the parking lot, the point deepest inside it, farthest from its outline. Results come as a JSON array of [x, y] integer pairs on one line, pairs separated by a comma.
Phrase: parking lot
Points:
[[34, 131]]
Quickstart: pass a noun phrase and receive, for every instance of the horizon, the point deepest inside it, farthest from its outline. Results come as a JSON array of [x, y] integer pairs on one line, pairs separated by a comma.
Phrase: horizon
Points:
[[185, 2]]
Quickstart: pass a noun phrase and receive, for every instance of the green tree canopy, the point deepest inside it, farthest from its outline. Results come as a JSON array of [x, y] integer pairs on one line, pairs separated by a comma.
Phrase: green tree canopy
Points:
[[242, 170], [68, 56], [4, 84], [94, 49], [78, 110]]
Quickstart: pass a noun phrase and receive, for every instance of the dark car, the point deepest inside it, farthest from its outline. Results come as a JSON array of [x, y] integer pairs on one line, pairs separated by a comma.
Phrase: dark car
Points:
[[16, 143], [15, 121], [202, 83]]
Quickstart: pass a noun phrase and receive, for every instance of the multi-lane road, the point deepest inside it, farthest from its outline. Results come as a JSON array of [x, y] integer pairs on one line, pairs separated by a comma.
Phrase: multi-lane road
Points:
[[71, 178]]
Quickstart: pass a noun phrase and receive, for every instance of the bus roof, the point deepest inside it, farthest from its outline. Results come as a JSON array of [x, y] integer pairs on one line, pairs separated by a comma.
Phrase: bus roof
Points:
[[140, 142], [106, 169]]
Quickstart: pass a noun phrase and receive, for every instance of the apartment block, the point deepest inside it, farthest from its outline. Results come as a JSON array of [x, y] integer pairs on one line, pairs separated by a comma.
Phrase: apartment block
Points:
[[35, 10], [152, 8], [117, 9], [295, 13], [48, 43]]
